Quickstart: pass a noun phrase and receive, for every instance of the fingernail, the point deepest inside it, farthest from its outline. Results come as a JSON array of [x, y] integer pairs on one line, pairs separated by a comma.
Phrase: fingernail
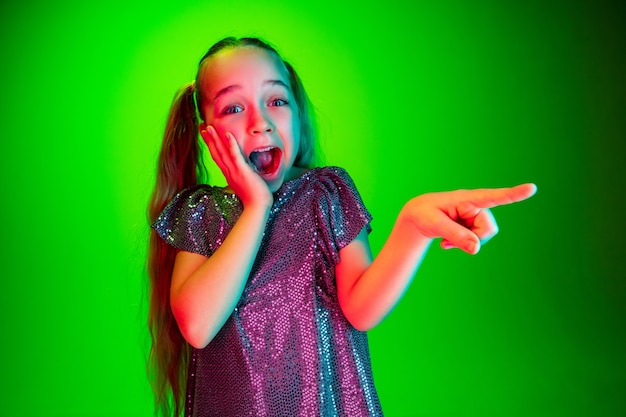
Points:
[[471, 246]]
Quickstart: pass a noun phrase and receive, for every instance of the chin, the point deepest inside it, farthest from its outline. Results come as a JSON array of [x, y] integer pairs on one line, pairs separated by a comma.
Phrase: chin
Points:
[[275, 183]]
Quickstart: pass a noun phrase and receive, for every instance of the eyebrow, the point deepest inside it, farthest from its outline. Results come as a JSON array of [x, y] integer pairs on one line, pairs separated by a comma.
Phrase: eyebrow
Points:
[[233, 87]]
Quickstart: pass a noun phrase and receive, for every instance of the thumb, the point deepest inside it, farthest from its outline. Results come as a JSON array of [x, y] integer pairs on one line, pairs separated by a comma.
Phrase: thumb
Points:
[[455, 235]]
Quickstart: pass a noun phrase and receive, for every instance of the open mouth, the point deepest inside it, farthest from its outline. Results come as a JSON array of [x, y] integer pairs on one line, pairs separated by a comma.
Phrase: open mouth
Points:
[[266, 160]]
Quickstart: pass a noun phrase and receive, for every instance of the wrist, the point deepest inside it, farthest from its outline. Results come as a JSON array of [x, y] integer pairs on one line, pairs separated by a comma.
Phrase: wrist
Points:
[[408, 223], [259, 201], [257, 208]]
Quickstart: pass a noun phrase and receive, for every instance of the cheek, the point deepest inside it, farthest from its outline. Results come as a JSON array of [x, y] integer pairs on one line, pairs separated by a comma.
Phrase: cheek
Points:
[[232, 125], [295, 132], [288, 123]]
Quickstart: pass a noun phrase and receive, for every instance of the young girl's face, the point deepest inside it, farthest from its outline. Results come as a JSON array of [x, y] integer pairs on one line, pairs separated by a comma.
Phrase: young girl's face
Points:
[[247, 93]]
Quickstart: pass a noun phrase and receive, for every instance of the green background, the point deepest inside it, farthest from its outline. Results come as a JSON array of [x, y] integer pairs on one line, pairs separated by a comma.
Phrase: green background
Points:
[[411, 97]]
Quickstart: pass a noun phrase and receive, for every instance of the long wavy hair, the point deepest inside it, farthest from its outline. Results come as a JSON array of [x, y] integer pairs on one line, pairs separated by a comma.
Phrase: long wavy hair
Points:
[[180, 165]]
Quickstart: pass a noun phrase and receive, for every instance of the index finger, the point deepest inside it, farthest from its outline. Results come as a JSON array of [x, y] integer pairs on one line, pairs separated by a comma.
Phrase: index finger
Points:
[[492, 197]]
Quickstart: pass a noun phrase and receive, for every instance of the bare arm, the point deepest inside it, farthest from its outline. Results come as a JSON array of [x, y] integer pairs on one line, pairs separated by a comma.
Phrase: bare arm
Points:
[[368, 290], [204, 291]]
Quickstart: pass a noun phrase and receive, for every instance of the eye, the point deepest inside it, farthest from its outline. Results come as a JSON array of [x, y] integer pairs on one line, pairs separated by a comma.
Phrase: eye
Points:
[[277, 102], [232, 109]]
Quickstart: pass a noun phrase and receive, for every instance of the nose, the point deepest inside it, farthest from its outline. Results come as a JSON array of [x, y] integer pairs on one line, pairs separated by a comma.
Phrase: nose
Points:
[[260, 122]]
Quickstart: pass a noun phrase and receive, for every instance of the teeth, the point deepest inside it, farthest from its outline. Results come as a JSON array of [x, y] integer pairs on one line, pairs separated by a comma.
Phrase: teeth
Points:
[[259, 150]]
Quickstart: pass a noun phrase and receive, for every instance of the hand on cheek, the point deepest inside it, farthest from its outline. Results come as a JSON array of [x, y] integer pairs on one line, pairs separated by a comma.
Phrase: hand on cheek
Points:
[[247, 184]]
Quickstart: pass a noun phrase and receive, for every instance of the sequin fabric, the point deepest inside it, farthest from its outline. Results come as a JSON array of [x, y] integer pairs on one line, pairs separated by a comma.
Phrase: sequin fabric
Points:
[[287, 349]]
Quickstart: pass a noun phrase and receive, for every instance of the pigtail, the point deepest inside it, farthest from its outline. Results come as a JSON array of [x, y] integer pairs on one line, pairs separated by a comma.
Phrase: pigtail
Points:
[[180, 162], [179, 165]]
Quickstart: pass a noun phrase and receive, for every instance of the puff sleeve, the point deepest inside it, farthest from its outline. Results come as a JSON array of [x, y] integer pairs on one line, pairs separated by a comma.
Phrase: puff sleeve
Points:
[[340, 211], [198, 219]]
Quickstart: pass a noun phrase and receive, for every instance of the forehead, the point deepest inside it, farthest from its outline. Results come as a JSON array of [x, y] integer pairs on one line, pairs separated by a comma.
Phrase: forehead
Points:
[[242, 66]]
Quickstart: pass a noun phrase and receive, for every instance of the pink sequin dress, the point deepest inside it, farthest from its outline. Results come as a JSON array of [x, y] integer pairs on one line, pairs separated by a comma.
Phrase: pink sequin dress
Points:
[[287, 349]]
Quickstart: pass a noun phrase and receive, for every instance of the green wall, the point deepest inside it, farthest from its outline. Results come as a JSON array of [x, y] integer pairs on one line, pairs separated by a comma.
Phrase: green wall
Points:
[[411, 97]]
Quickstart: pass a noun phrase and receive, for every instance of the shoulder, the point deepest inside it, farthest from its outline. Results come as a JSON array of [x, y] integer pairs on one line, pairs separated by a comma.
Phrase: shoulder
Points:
[[330, 171], [332, 175], [195, 201], [199, 192], [333, 185], [191, 197]]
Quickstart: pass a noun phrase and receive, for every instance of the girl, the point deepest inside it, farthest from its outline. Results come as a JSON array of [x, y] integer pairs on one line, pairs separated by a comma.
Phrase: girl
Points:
[[262, 291]]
